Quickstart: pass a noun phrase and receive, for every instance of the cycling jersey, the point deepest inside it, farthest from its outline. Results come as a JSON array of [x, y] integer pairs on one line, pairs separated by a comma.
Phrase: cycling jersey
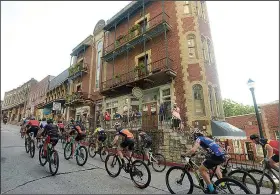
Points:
[[34, 123], [43, 124], [145, 137], [51, 130], [273, 143], [126, 133], [60, 125], [210, 146], [99, 130]]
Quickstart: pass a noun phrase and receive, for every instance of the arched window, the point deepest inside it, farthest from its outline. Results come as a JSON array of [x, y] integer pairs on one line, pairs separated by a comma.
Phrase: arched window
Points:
[[98, 64], [198, 100], [205, 49], [192, 46], [210, 52], [211, 100], [217, 98], [187, 7]]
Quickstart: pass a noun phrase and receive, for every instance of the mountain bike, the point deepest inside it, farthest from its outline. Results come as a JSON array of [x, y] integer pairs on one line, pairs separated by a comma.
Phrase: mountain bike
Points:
[[154, 159], [265, 178], [220, 185], [130, 167], [29, 144], [80, 151], [102, 150], [51, 157]]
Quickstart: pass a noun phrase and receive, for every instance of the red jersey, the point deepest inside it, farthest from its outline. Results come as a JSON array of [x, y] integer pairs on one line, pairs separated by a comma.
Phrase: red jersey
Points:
[[34, 123], [275, 145]]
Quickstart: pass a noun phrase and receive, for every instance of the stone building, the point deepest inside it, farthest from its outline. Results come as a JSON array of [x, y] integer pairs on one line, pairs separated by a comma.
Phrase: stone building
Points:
[[15, 102]]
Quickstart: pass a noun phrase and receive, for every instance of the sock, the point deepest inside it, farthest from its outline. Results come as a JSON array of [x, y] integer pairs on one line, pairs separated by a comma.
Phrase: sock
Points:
[[211, 187]]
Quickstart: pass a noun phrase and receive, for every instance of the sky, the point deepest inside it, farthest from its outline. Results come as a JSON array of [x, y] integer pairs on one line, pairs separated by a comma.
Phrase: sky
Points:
[[38, 37]]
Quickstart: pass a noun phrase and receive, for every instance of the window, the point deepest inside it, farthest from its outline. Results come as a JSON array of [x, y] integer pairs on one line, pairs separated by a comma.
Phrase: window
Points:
[[211, 100], [259, 150], [187, 7], [237, 148], [210, 52], [217, 101], [198, 100], [143, 25], [98, 64], [205, 49], [192, 46], [78, 88]]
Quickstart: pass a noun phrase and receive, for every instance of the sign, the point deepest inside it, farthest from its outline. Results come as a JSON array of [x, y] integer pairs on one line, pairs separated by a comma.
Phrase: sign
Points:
[[46, 111], [56, 106], [137, 92]]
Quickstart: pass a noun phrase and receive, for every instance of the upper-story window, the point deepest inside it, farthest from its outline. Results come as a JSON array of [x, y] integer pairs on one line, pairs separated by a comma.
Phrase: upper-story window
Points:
[[205, 50], [187, 7], [203, 10], [198, 8], [198, 100], [211, 100], [210, 52], [192, 46], [98, 64], [217, 97]]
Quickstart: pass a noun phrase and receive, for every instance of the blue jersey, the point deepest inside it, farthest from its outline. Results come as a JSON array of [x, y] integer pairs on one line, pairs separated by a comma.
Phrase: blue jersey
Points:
[[210, 146]]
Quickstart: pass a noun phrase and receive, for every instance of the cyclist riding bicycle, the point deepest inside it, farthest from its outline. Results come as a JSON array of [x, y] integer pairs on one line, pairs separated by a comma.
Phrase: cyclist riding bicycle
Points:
[[33, 126], [127, 142], [215, 157], [272, 150], [76, 127], [51, 131], [147, 142], [100, 132]]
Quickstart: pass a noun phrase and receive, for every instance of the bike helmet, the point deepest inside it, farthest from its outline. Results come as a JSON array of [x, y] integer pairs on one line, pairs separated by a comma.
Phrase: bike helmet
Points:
[[253, 136], [44, 119], [32, 118], [118, 126], [196, 133], [49, 121]]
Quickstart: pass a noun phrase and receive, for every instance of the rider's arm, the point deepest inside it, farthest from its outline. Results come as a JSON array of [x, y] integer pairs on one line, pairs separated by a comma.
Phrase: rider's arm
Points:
[[115, 139], [269, 150], [195, 147]]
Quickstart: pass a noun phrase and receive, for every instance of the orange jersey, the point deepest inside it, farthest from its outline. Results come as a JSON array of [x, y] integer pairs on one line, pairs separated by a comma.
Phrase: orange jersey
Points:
[[126, 133]]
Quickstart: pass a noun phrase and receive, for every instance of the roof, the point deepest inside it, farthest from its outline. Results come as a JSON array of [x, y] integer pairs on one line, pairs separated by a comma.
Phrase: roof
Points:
[[269, 103], [58, 80], [87, 42]]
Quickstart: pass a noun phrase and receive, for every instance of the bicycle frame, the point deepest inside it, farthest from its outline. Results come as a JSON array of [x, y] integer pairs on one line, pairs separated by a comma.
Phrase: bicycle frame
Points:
[[269, 169]]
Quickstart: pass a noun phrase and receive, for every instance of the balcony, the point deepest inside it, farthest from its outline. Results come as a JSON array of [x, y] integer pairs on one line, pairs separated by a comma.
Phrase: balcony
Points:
[[77, 97], [154, 27], [156, 73], [77, 70]]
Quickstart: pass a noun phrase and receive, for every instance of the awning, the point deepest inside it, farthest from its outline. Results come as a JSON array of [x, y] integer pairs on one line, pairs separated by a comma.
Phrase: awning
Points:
[[221, 129]]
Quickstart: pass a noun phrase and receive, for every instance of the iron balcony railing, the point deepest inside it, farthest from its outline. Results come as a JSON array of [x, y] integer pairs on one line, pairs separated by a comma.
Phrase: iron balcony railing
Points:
[[137, 74], [77, 70], [136, 32]]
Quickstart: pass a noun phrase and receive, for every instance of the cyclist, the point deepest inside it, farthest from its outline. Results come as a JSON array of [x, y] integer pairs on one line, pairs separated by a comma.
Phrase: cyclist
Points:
[[215, 157], [33, 126], [76, 127], [101, 136], [51, 131], [147, 142], [43, 123], [60, 126], [127, 142], [272, 150]]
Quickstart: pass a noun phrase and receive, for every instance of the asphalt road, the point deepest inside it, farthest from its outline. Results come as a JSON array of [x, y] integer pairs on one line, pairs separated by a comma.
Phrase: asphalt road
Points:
[[20, 174]]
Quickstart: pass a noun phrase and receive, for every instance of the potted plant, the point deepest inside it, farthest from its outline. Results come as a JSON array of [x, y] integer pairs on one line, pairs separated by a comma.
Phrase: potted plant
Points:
[[141, 69], [134, 31]]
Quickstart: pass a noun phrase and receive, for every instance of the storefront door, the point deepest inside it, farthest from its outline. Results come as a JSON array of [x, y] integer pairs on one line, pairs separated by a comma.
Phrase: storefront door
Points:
[[150, 116]]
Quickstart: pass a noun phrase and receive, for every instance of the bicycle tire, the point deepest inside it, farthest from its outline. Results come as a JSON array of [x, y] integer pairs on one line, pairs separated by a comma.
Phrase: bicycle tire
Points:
[[245, 174], [266, 175], [117, 160], [53, 172], [26, 144], [167, 180], [228, 179], [91, 145], [163, 165], [32, 148], [22, 135], [133, 165], [71, 145], [40, 157], [102, 155], [86, 156], [139, 154]]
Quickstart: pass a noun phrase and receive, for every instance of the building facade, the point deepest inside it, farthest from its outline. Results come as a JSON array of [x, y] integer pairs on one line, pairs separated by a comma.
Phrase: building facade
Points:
[[157, 53], [37, 97], [15, 102]]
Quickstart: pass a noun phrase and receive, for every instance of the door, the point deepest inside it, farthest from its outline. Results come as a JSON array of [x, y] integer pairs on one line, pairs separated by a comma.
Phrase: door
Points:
[[249, 150], [150, 115]]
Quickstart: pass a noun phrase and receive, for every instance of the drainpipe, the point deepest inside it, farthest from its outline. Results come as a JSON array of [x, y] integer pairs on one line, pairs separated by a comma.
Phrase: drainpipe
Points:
[[164, 17]]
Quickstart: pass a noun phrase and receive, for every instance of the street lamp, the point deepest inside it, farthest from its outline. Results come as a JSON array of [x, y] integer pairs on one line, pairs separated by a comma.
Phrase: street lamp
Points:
[[251, 85]]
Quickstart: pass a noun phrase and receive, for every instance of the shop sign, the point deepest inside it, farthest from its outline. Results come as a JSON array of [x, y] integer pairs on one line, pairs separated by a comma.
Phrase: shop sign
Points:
[[137, 92]]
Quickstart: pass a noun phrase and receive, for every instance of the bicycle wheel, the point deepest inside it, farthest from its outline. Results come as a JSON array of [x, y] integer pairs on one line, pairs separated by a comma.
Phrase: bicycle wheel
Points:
[[178, 178], [42, 161], [32, 148], [222, 184], [110, 162], [82, 154], [26, 143], [138, 154], [22, 135], [265, 182], [135, 171], [246, 178], [53, 160], [103, 153], [158, 162], [91, 150], [68, 148]]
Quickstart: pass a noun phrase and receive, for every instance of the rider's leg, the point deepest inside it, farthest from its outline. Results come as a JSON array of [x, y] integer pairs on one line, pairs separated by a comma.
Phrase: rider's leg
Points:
[[274, 162], [130, 149], [203, 171], [218, 172]]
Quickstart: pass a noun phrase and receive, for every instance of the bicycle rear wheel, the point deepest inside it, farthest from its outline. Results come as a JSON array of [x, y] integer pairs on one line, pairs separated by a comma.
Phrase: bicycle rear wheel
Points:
[[158, 162], [53, 160], [68, 148], [112, 161], [103, 153], [176, 175], [32, 148], [42, 161], [139, 172], [26, 143], [82, 154], [239, 188]]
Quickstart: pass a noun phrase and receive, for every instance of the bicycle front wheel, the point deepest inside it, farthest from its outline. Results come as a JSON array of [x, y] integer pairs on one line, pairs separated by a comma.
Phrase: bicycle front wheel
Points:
[[103, 153], [91, 150], [222, 186], [158, 162], [82, 156], [112, 161], [265, 181], [26, 143], [178, 180], [53, 162], [140, 170], [32, 148], [42, 161], [68, 150]]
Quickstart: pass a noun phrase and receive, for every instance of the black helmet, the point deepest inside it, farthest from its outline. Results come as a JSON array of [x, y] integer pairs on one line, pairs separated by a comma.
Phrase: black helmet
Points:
[[44, 119], [254, 136], [49, 121]]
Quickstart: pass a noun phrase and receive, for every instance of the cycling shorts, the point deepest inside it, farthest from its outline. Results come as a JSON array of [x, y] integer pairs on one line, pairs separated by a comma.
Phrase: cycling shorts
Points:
[[128, 143], [213, 161]]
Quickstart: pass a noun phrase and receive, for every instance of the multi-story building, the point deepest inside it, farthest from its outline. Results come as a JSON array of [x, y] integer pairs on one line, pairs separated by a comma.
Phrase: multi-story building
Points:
[[15, 101], [37, 97], [157, 53], [56, 96]]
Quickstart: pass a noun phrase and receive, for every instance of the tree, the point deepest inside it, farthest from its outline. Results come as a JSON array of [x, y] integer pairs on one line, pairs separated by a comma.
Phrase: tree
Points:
[[232, 108]]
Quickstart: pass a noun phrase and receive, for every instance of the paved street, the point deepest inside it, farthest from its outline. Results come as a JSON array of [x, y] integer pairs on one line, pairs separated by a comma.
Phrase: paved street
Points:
[[20, 174]]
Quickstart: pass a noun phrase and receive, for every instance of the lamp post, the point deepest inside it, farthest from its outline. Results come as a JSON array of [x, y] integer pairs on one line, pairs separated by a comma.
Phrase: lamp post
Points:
[[251, 85]]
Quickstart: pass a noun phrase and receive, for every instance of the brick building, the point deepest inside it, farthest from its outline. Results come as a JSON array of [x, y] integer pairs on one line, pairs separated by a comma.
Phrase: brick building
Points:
[[270, 124], [15, 102], [37, 97]]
